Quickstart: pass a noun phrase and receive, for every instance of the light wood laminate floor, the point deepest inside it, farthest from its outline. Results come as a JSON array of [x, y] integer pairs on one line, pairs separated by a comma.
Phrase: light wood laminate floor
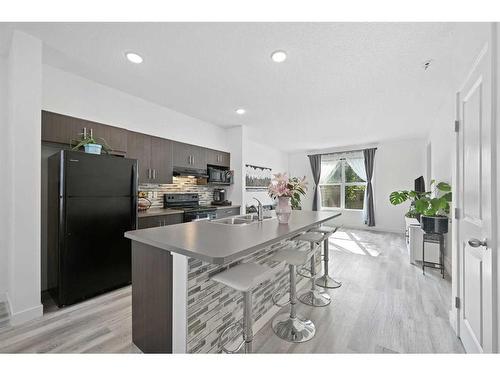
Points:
[[385, 305]]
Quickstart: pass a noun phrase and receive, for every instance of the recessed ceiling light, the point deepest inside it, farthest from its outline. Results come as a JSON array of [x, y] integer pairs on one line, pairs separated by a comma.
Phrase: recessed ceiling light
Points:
[[278, 56], [240, 111], [134, 57]]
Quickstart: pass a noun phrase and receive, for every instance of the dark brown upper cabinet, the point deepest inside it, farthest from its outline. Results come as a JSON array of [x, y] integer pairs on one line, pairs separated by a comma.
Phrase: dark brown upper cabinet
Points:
[[58, 128], [219, 158], [154, 157], [161, 160], [189, 156]]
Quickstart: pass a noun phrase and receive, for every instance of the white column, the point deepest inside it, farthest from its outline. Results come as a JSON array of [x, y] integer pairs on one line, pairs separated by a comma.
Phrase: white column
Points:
[[179, 303], [23, 173]]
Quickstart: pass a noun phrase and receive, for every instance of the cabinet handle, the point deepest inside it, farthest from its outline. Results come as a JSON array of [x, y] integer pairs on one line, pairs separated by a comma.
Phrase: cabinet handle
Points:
[[149, 173], [193, 159], [154, 174], [189, 159]]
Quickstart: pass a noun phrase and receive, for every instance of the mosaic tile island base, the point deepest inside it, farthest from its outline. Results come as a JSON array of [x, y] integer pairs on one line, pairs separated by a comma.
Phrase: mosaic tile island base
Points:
[[176, 307]]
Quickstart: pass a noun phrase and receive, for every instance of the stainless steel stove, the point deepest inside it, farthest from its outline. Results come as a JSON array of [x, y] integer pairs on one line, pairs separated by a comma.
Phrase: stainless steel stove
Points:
[[190, 204]]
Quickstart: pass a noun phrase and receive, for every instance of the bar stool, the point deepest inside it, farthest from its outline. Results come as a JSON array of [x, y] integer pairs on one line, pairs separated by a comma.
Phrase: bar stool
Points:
[[290, 326], [313, 297], [244, 278], [326, 281]]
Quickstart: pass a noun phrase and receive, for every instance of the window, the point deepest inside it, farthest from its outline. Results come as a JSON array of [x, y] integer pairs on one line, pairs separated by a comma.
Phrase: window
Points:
[[343, 181]]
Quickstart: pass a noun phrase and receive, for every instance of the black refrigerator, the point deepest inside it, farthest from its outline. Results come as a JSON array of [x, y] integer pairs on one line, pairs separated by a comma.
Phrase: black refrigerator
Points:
[[92, 202]]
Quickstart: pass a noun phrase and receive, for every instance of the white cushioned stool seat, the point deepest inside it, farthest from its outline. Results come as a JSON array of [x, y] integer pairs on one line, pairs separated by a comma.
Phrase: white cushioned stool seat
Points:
[[245, 276], [324, 229], [310, 237], [291, 255]]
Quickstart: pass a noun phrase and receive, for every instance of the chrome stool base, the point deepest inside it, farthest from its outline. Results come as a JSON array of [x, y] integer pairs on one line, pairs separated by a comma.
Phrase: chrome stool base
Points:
[[293, 329], [315, 298], [328, 282]]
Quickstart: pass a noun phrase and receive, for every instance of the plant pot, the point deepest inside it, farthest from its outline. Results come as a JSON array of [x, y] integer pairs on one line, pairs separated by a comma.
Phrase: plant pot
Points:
[[93, 148], [434, 224], [283, 210]]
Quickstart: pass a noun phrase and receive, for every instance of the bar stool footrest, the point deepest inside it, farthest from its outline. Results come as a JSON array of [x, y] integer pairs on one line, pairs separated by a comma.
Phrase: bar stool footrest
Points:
[[277, 296], [315, 298], [328, 282], [240, 345]]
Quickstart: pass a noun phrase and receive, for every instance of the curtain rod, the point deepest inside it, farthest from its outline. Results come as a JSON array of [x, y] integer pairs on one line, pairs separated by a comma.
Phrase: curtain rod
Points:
[[342, 152]]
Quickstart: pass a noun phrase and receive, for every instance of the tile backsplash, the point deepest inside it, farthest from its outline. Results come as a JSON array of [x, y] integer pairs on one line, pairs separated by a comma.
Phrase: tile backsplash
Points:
[[180, 185]]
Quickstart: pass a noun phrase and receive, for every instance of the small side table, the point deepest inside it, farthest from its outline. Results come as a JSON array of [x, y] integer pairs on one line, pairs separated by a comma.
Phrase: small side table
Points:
[[433, 238]]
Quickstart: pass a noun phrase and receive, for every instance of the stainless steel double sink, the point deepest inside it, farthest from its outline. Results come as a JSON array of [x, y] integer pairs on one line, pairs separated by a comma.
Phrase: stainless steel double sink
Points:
[[240, 220]]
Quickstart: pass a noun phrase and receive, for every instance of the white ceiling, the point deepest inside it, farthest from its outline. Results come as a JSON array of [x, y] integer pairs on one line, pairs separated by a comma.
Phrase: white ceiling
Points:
[[342, 84]]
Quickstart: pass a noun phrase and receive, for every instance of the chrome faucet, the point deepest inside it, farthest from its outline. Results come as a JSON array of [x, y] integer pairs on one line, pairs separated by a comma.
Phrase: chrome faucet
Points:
[[260, 210]]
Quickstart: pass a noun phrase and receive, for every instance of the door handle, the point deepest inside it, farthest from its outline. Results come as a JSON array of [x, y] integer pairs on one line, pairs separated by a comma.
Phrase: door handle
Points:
[[474, 242]]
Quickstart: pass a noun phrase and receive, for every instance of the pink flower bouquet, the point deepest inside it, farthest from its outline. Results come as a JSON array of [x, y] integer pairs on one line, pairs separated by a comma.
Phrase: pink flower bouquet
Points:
[[283, 186]]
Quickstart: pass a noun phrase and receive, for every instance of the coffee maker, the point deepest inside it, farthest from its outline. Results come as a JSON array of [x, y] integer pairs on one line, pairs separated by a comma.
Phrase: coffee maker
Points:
[[220, 197]]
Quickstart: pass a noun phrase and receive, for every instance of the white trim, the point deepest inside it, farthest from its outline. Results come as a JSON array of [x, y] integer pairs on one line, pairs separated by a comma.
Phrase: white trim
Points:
[[455, 265], [179, 303], [26, 315]]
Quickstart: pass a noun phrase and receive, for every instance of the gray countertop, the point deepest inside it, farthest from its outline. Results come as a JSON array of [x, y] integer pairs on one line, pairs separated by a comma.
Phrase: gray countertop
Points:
[[218, 243]]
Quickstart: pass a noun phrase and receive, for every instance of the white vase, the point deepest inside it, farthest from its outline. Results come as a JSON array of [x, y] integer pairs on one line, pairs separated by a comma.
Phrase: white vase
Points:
[[283, 210]]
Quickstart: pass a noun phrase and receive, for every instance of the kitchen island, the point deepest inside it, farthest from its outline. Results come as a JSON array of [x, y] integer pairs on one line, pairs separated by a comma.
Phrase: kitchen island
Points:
[[176, 307]]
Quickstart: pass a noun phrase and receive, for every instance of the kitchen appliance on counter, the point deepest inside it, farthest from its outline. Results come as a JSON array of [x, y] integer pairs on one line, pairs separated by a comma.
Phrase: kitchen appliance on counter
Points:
[[190, 204], [92, 202], [219, 175], [220, 198]]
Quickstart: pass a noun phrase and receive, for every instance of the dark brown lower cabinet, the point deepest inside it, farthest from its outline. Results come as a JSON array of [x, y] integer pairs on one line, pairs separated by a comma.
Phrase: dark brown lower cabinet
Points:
[[159, 221], [151, 298], [226, 212]]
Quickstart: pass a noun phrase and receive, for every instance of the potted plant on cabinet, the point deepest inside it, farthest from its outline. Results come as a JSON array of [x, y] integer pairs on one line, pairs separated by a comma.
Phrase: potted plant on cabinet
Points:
[[433, 207], [90, 144]]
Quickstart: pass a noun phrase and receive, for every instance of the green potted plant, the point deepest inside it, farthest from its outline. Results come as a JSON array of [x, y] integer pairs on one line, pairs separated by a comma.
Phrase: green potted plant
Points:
[[90, 144], [432, 206]]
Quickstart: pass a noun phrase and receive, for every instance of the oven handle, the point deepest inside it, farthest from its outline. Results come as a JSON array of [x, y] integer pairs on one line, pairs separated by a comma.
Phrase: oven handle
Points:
[[201, 218]]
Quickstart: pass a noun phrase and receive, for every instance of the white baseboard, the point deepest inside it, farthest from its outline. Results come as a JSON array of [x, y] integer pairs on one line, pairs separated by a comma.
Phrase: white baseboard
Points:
[[258, 325], [452, 314], [26, 315], [374, 229]]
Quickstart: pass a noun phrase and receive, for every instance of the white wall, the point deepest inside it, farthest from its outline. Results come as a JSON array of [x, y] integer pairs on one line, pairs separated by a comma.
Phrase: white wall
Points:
[[263, 156], [76, 96], [23, 176], [3, 184], [397, 164]]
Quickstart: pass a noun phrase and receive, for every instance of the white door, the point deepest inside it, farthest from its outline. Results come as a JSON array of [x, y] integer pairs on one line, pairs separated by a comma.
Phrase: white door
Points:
[[474, 200]]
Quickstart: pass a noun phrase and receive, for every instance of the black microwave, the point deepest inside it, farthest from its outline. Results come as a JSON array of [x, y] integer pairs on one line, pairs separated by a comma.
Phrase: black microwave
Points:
[[219, 175]]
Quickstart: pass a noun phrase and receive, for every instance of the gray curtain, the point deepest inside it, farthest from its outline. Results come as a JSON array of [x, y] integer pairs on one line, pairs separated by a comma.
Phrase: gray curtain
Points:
[[369, 156], [315, 161]]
